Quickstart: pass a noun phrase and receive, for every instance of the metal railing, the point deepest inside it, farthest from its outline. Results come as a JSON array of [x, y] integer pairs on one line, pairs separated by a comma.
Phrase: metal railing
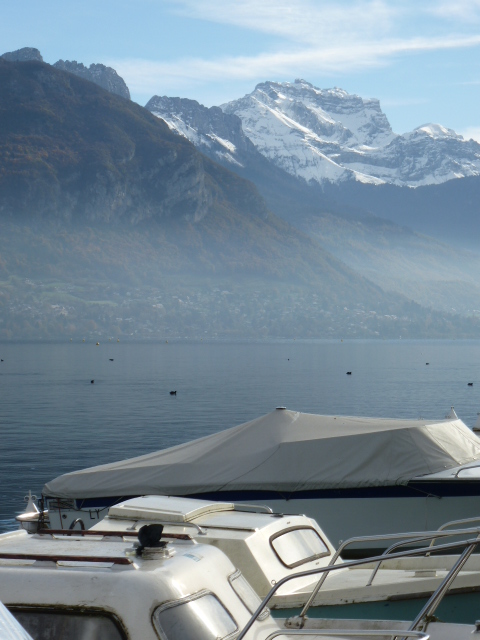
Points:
[[428, 609], [412, 537], [433, 535], [452, 523], [253, 508], [349, 633], [473, 466]]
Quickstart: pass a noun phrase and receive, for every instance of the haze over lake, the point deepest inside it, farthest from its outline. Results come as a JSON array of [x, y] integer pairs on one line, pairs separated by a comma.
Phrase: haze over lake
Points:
[[54, 420]]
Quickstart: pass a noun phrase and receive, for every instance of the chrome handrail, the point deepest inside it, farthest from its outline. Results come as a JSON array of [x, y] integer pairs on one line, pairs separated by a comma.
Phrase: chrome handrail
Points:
[[434, 535], [474, 466], [256, 508], [455, 522], [388, 551], [434, 601], [349, 633], [409, 536], [353, 563]]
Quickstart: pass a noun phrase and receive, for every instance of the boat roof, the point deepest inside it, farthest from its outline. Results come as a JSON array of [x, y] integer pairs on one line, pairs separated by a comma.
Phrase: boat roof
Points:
[[284, 451]]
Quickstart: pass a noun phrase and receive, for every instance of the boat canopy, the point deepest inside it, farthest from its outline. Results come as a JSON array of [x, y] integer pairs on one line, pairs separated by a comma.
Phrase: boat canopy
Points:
[[284, 451]]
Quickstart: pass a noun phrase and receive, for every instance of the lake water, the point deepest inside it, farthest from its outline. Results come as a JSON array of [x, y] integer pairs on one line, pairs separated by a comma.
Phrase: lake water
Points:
[[53, 420]]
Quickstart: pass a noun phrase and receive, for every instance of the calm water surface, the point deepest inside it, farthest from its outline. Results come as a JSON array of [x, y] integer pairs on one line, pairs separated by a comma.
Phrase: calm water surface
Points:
[[53, 420]]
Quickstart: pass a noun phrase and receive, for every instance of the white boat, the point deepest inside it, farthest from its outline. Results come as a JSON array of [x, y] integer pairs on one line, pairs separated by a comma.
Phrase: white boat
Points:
[[105, 588], [100, 586], [268, 547], [357, 476]]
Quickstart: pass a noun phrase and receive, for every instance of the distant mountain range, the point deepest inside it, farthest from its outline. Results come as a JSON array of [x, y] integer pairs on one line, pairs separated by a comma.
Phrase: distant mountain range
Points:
[[349, 218], [330, 135], [343, 149], [94, 188]]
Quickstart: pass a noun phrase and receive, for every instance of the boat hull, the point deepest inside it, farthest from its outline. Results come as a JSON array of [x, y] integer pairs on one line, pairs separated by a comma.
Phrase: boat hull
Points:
[[371, 511], [342, 513]]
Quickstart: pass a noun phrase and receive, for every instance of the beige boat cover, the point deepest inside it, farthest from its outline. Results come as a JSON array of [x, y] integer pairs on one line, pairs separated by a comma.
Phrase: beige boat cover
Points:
[[284, 451]]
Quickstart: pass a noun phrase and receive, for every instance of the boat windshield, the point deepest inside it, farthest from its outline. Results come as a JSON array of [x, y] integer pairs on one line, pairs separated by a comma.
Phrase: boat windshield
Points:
[[298, 545], [59, 625], [200, 617]]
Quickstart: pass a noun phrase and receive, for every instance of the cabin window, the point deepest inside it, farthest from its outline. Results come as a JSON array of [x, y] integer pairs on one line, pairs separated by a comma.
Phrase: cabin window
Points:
[[49, 624], [298, 545], [198, 617], [246, 594]]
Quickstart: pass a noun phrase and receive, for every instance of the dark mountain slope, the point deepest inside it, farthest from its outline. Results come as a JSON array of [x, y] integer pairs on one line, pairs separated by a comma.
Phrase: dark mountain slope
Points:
[[71, 151]]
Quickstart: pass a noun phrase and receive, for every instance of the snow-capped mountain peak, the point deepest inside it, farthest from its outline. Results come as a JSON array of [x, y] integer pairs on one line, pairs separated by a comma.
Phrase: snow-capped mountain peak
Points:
[[436, 131], [329, 134], [321, 135]]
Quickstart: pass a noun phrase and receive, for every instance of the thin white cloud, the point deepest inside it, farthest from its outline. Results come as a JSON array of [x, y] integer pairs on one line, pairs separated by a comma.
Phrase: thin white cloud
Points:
[[467, 11], [471, 133], [305, 21], [145, 76]]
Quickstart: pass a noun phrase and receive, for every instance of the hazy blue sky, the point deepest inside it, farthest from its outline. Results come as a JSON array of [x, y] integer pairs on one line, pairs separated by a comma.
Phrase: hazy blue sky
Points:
[[420, 58]]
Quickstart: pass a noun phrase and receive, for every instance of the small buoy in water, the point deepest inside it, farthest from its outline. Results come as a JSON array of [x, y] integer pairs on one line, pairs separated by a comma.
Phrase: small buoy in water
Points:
[[98, 344], [111, 359], [173, 393], [427, 363], [349, 373], [1, 360], [166, 341], [470, 384], [92, 381]]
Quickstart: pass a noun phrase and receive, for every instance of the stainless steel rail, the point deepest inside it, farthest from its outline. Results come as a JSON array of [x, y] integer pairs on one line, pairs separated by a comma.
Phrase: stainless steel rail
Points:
[[349, 633], [427, 536], [408, 536], [255, 508], [473, 466], [354, 563], [452, 523], [436, 598]]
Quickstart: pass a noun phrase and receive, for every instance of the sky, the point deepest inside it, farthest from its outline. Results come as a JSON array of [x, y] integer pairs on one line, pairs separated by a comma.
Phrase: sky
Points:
[[420, 58]]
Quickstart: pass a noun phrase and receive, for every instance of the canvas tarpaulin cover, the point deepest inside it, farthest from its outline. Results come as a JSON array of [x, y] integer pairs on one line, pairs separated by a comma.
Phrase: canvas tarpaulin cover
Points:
[[284, 451]]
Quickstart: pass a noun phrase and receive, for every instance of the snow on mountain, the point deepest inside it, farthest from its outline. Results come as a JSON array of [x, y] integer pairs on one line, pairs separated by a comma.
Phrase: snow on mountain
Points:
[[320, 135], [216, 133], [331, 135]]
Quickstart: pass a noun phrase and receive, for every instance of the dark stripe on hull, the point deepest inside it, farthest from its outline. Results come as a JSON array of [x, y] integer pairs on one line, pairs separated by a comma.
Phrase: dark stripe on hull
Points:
[[411, 490]]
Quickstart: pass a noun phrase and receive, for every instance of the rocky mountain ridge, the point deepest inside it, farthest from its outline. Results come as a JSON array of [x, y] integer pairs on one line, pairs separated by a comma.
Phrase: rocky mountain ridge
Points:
[[103, 76]]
